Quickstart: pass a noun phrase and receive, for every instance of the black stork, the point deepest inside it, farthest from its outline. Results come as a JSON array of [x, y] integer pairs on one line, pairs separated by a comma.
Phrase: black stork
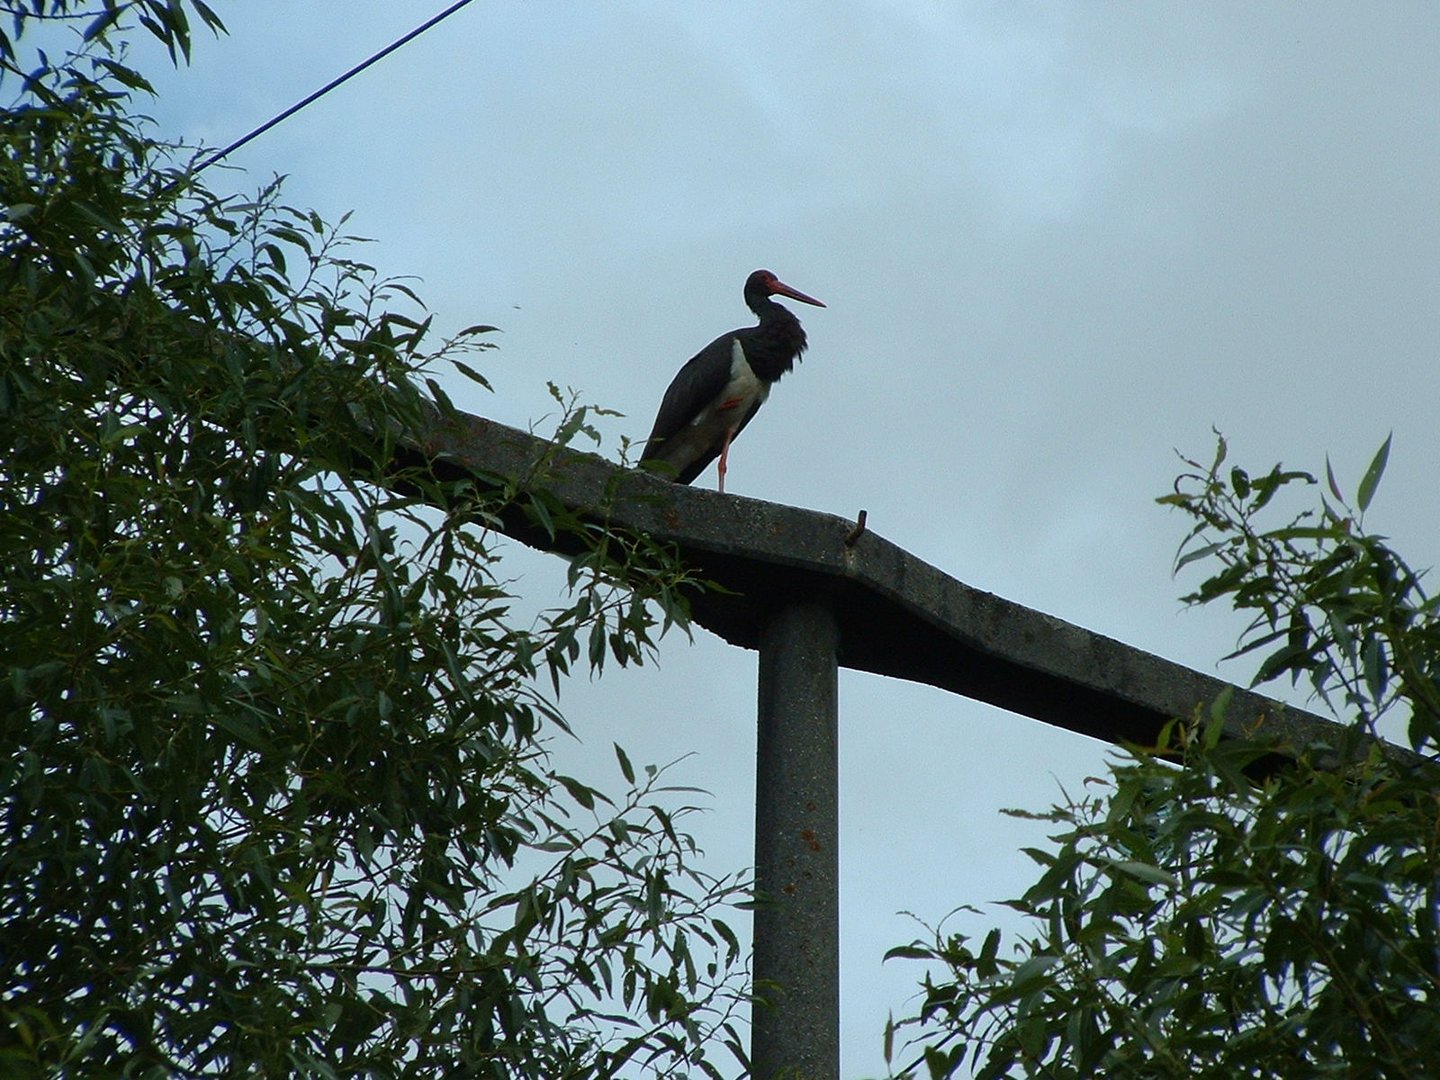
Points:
[[722, 386]]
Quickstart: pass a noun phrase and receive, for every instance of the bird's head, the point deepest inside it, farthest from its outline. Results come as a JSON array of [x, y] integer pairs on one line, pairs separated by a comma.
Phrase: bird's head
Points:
[[765, 283]]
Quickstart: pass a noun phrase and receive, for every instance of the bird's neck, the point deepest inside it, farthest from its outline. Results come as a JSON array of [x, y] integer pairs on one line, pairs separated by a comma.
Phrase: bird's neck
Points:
[[773, 346]]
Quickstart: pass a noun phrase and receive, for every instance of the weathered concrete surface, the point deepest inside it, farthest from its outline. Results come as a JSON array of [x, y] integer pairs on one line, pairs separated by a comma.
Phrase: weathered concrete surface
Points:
[[896, 614]]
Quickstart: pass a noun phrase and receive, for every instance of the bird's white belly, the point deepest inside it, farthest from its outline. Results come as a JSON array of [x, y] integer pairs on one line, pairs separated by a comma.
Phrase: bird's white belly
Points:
[[742, 393]]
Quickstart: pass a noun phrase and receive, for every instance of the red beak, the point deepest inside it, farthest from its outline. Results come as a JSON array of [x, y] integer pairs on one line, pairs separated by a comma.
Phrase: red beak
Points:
[[794, 294]]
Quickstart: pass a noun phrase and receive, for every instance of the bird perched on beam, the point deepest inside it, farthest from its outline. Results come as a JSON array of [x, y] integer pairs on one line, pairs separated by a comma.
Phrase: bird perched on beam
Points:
[[722, 386]]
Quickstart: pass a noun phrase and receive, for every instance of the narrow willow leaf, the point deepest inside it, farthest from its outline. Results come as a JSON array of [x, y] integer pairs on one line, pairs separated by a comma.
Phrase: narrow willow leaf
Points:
[[626, 769], [1142, 871], [1372, 476], [1330, 479]]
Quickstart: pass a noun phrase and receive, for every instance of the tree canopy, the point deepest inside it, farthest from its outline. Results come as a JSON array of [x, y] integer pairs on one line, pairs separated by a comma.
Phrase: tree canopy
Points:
[[274, 795]]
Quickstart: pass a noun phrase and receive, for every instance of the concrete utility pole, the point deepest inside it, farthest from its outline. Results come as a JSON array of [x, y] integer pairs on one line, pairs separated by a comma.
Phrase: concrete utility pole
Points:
[[813, 592], [796, 1022]]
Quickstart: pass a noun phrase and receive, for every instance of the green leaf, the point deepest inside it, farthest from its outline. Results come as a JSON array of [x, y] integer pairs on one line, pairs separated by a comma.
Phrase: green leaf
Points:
[[581, 793], [536, 508], [626, 769], [101, 25], [470, 373], [1142, 871], [209, 17], [1221, 704], [1032, 971], [909, 952], [1196, 554], [1371, 480], [1376, 668], [1330, 479], [126, 76], [938, 1063]]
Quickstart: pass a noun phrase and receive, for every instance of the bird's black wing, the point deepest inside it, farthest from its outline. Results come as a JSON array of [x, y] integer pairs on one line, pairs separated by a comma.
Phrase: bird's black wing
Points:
[[700, 381]]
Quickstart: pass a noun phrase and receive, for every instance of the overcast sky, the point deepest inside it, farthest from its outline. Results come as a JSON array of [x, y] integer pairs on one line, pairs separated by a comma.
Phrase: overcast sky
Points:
[[1057, 241]]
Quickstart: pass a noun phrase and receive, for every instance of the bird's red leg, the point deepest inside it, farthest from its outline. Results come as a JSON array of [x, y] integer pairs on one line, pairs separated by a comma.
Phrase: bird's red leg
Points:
[[724, 455], [727, 406]]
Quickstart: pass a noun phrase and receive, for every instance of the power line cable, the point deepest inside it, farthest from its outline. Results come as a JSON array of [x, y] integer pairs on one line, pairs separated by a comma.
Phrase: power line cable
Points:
[[331, 85]]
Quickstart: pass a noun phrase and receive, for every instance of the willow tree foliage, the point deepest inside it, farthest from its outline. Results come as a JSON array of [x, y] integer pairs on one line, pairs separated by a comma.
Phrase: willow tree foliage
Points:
[[1226, 918], [274, 799]]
